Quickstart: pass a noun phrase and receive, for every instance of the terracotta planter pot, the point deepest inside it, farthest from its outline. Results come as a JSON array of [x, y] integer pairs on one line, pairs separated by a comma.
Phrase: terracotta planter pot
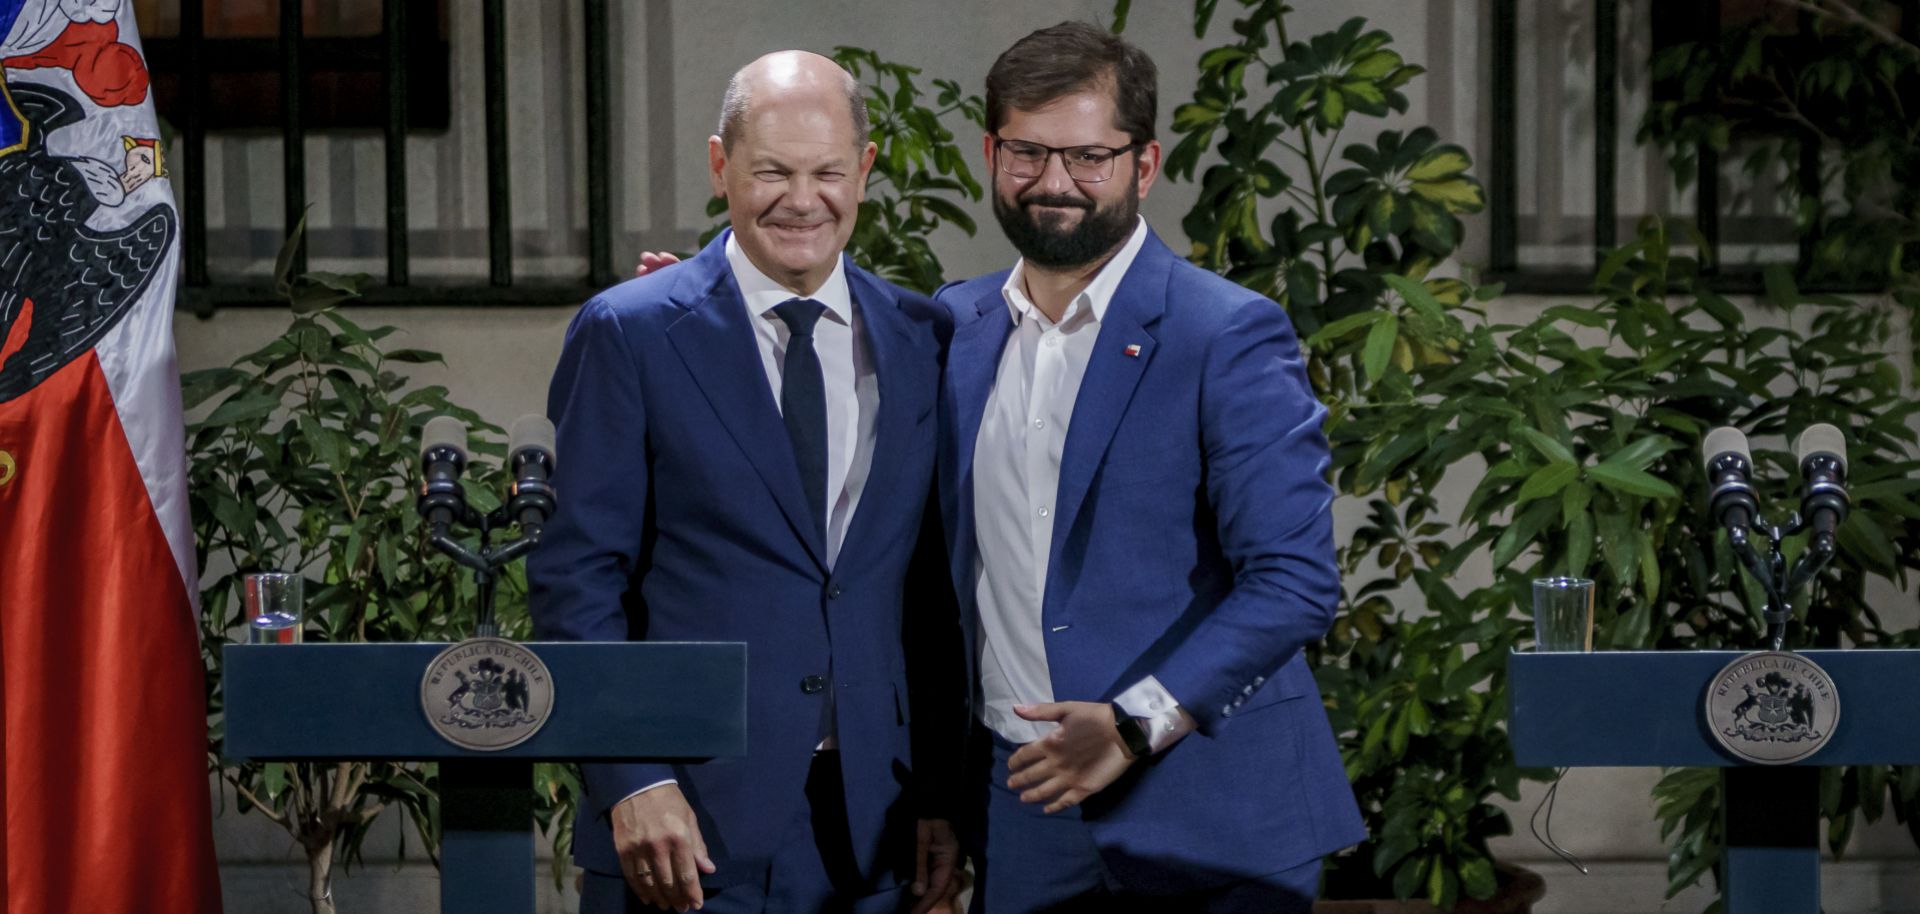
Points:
[[1519, 889]]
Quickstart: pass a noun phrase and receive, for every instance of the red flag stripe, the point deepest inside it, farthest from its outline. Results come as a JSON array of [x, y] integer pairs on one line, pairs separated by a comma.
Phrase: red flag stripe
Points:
[[105, 772]]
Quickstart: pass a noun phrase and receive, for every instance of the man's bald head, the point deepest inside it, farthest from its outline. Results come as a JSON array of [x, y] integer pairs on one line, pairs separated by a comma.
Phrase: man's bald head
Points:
[[791, 74]]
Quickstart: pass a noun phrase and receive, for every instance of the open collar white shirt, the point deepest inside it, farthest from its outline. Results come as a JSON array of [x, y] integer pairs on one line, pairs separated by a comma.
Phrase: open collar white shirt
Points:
[[1016, 477]]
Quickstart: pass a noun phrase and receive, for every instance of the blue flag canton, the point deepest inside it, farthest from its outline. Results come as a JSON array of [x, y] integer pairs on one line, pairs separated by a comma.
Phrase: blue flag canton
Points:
[[13, 124]]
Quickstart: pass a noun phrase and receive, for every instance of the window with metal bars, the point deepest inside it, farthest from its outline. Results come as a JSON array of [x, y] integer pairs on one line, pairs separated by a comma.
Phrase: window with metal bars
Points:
[[1571, 83], [370, 64]]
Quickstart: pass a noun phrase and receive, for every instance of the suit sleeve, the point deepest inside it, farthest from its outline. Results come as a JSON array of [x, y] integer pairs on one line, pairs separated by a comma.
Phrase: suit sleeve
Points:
[[1266, 457], [936, 673], [936, 663], [577, 579]]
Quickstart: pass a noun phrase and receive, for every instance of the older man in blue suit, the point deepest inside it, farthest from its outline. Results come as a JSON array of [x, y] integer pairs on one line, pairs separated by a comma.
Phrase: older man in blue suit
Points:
[[749, 444], [1132, 478]]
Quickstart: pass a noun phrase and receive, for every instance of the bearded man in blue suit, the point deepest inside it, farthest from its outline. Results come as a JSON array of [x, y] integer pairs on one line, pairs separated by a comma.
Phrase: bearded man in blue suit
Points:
[[1132, 476], [749, 444]]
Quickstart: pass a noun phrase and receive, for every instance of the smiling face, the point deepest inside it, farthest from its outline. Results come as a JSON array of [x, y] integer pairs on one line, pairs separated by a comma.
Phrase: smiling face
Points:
[[794, 177], [1053, 220]]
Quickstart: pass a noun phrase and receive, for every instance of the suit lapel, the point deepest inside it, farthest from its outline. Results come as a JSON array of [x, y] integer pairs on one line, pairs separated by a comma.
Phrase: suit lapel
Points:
[[890, 343], [973, 359], [1113, 373], [715, 340]]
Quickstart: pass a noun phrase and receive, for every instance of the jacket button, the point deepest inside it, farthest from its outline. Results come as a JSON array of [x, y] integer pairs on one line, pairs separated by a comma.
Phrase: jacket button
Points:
[[813, 685], [1226, 711], [834, 592]]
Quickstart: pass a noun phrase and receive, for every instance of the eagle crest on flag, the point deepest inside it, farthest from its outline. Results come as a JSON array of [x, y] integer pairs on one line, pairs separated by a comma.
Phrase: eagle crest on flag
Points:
[[62, 280]]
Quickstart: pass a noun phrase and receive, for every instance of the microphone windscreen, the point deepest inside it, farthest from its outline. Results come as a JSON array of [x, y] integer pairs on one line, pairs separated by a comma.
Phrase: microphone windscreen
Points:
[[1723, 440], [444, 431], [531, 430], [1821, 439]]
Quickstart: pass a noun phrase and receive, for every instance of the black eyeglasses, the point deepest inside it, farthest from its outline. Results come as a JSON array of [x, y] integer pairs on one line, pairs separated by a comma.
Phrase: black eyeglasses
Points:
[[1087, 164]]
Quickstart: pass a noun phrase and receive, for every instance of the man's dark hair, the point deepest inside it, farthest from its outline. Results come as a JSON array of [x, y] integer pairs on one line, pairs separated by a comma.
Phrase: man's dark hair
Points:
[[1072, 57]]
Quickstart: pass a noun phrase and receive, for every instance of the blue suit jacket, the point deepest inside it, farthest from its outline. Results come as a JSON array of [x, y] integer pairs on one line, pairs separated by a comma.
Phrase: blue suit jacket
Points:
[[1192, 541], [681, 517]]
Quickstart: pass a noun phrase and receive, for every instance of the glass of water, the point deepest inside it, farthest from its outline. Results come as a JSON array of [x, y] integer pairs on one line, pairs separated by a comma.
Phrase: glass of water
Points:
[[1562, 614], [274, 601]]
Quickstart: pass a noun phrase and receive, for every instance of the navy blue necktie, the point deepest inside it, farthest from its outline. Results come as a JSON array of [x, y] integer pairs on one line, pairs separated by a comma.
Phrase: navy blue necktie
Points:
[[803, 403]]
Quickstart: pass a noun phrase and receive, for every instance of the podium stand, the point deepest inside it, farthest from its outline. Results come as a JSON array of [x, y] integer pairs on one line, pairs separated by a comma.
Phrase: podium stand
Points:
[[1646, 708], [361, 702]]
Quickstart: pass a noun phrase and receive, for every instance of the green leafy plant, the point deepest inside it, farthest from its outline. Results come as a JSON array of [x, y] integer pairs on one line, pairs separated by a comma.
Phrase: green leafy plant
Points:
[[1832, 82], [1578, 431], [306, 461], [920, 175], [1345, 237], [1589, 421]]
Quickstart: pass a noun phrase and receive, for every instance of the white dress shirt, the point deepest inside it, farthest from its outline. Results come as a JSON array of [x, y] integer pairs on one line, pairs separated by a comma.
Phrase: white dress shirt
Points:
[[853, 391], [853, 394], [1016, 477]]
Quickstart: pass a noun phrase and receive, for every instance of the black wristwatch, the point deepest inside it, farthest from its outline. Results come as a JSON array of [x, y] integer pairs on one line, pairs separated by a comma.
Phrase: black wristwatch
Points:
[[1131, 733]]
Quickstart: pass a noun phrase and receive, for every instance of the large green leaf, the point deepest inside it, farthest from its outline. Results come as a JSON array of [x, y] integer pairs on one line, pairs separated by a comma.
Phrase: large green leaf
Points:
[[1458, 195], [1416, 294], [1642, 453], [1379, 346], [243, 407], [1547, 445], [1622, 478], [1444, 162], [1548, 480]]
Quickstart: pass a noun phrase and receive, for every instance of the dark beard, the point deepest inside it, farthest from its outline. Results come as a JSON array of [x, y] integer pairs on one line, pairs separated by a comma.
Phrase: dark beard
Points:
[[1096, 235]]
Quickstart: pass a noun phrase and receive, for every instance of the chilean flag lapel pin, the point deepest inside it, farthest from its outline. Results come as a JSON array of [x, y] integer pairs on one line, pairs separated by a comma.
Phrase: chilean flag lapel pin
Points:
[[1133, 350]]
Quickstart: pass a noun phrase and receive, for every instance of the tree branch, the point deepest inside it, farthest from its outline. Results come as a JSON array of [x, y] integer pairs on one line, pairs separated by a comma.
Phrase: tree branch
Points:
[[272, 814], [1844, 11]]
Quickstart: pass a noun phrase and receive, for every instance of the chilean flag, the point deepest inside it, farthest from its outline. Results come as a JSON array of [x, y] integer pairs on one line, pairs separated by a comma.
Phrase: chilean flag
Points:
[[105, 765]]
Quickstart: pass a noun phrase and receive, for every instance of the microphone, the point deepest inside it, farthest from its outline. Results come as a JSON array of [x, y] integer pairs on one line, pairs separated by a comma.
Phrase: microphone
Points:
[[1729, 468], [443, 455], [1822, 452], [530, 457]]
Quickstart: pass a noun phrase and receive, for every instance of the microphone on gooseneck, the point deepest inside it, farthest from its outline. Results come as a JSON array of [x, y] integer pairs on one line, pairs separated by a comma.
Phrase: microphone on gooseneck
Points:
[[530, 456], [443, 457], [1822, 454], [1729, 464]]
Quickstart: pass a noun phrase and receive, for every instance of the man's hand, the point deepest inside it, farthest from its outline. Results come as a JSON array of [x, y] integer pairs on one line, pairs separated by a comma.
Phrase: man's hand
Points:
[[936, 865], [661, 852], [1073, 762], [654, 260]]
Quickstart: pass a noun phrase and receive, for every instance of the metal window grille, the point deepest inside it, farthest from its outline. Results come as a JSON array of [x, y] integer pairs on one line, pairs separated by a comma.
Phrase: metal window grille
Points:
[[203, 294], [1672, 21]]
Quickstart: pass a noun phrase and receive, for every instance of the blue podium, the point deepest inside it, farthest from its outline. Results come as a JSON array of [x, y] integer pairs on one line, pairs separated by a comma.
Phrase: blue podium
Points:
[[611, 701], [1647, 708]]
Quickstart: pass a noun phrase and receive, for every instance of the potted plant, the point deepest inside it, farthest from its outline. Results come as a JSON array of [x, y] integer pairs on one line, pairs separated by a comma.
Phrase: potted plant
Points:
[[306, 460], [1414, 688], [1589, 420], [1580, 429], [1816, 101]]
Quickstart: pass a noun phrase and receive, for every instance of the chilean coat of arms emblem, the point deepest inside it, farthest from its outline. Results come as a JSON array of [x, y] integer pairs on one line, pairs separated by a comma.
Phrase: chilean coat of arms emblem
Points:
[[486, 694], [1772, 707]]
